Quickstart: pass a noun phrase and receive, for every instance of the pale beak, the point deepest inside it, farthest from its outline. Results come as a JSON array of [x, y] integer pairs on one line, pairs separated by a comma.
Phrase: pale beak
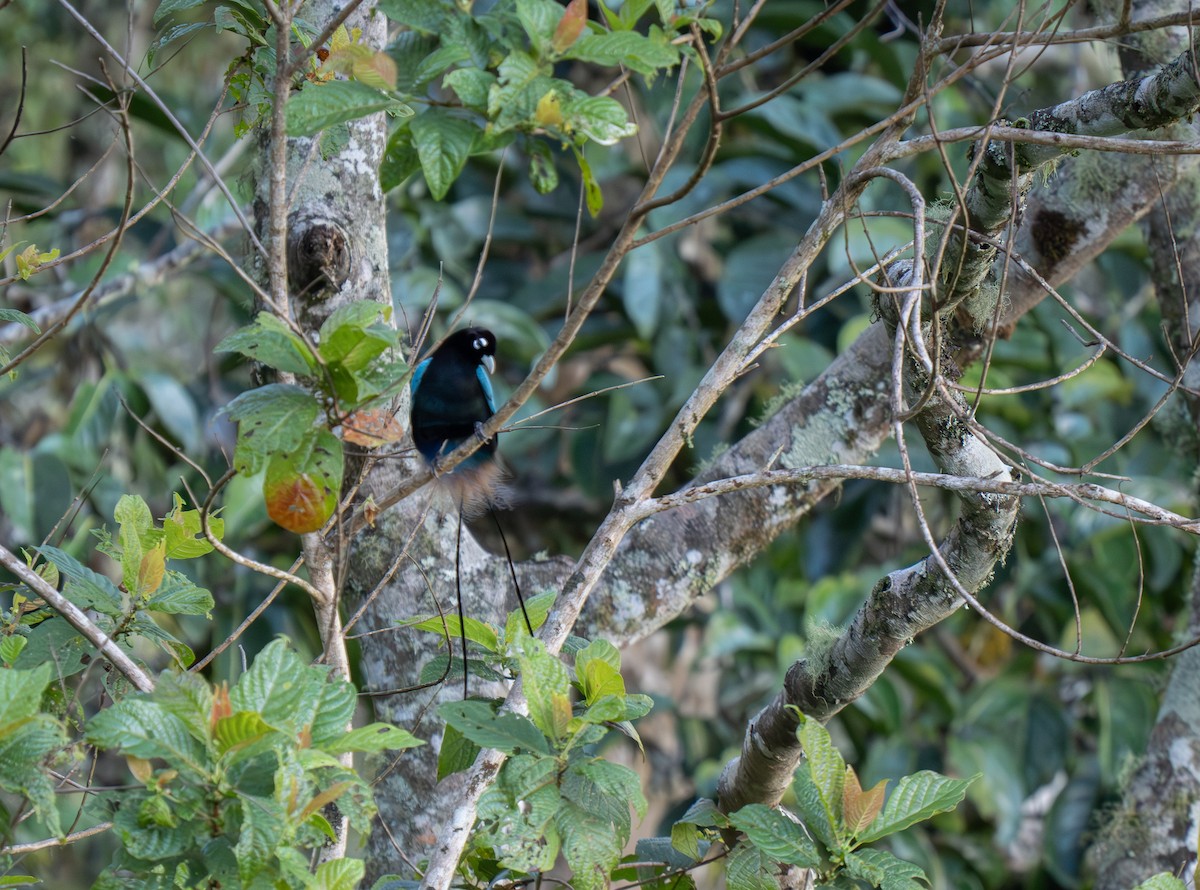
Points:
[[489, 362]]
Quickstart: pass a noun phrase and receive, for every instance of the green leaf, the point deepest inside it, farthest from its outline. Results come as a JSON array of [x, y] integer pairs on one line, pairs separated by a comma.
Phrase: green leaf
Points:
[[537, 607], [776, 835], [136, 526], [139, 726], [516, 815], [239, 730], [400, 160], [702, 814], [543, 172], [814, 809], [443, 142], [591, 847], [885, 870], [85, 588], [280, 686], [539, 18], [10, 648], [601, 119], [472, 86], [478, 631], [170, 7], [430, 16], [353, 336], [643, 289], [21, 694], [914, 799], [457, 753], [597, 669], [177, 595], [749, 868], [592, 195], [19, 317], [319, 106], [274, 418], [827, 770], [184, 534], [507, 732], [646, 55], [606, 709], [270, 341], [616, 781], [1161, 881], [338, 874], [188, 697], [264, 823], [547, 687], [373, 738]]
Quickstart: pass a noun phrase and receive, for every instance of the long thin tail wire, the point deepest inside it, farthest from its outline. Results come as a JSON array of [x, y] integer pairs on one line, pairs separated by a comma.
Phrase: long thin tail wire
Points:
[[511, 569], [462, 622]]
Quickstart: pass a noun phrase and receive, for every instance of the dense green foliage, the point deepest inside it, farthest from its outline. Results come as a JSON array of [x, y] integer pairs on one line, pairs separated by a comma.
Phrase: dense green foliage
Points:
[[514, 100]]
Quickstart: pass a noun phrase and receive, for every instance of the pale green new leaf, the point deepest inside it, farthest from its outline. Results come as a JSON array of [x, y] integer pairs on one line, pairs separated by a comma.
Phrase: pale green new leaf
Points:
[[477, 631]]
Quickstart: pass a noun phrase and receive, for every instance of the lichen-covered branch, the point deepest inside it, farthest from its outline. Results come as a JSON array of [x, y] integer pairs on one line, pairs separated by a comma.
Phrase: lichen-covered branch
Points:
[[1154, 826]]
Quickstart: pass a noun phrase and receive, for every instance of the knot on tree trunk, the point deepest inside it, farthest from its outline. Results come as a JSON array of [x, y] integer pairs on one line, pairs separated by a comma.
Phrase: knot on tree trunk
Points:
[[318, 256]]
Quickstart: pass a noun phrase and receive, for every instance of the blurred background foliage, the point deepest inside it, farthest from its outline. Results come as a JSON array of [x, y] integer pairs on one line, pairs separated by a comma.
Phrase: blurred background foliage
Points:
[[1052, 739]]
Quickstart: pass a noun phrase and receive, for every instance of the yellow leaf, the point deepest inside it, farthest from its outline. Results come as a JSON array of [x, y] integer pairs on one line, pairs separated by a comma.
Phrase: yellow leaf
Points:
[[150, 572], [340, 39], [549, 110], [375, 70], [141, 769]]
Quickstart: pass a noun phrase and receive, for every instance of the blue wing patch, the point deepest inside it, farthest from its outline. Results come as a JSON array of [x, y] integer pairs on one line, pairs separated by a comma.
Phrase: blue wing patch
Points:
[[418, 374], [485, 382]]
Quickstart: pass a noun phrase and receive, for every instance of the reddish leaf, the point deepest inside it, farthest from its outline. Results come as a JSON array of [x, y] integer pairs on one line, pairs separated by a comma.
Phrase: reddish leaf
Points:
[[372, 427], [301, 488], [859, 808], [221, 706], [570, 26], [299, 503]]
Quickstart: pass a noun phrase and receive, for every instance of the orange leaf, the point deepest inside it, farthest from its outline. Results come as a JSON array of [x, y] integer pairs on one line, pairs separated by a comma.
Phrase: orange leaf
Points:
[[222, 707], [372, 427], [859, 808], [570, 26]]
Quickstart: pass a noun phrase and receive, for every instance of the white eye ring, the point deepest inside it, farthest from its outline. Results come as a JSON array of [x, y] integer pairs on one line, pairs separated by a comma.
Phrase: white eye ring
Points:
[[480, 343]]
